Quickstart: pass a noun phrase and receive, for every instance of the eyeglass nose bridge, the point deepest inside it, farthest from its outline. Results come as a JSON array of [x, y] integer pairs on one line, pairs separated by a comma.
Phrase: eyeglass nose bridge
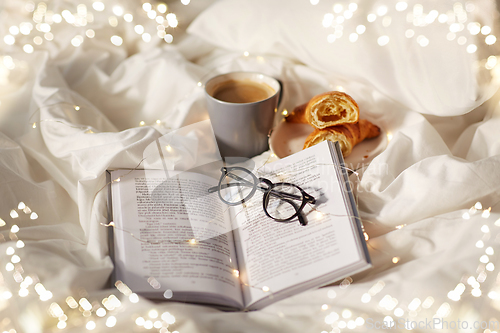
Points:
[[309, 198], [268, 183]]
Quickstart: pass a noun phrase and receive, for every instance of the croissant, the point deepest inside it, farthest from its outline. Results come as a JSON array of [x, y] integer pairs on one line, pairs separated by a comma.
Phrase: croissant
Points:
[[348, 135], [325, 110]]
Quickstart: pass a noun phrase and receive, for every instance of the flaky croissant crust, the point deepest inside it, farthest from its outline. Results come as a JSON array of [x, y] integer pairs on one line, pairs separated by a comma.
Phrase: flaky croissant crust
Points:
[[325, 110], [348, 135]]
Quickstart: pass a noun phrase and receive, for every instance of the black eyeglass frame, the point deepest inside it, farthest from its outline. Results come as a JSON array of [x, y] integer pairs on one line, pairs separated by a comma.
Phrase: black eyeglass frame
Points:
[[305, 198]]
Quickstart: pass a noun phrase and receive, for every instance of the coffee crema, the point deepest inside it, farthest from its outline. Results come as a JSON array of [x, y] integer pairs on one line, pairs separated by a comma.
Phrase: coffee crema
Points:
[[242, 91]]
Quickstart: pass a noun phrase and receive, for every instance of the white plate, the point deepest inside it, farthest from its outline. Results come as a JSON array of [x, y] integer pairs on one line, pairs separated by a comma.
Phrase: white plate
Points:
[[288, 138]]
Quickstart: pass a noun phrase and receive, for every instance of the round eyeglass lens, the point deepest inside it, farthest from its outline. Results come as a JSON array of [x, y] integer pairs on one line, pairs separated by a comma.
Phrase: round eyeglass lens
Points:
[[283, 201], [237, 186]]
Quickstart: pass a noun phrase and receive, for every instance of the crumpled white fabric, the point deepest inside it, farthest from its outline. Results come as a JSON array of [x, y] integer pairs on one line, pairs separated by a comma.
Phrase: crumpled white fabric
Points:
[[405, 54], [434, 169]]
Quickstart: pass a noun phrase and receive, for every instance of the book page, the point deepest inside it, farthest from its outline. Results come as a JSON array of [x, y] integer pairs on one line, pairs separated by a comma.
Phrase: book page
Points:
[[274, 256], [172, 236]]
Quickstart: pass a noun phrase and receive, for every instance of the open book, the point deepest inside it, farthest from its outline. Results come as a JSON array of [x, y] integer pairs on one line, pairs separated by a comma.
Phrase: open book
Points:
[[174, 240]]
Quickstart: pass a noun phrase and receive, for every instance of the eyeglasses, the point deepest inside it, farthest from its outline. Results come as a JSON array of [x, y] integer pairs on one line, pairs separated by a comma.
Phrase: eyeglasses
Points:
[[281, 201]]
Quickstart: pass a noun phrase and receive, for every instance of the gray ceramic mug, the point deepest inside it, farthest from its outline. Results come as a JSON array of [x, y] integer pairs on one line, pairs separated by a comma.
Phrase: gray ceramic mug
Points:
[[241, 126]]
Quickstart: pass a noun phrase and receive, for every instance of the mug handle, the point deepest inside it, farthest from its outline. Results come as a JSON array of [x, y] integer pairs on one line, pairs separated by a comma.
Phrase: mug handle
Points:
[[280, 98]]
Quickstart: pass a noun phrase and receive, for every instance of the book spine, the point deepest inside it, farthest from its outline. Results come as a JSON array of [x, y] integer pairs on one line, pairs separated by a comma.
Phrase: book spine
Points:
[[350, 202]]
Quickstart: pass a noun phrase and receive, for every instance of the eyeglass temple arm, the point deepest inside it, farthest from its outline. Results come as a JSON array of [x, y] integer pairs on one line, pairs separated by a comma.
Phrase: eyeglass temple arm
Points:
[[216, 188]]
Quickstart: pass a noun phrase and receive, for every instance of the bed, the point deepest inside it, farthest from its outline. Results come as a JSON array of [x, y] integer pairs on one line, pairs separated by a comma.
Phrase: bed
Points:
[[86, 86]]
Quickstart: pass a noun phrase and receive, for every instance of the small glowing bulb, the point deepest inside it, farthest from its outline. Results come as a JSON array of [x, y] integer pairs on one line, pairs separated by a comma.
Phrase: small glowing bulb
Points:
[[346, 313], [265, 289], [153, 314], [395, 260], [158, 121], [246, 54], [168, 148], [14, 229], [142, 123], [77, 108], [23, 292], [484, 259], [389, 136], [200, 84], [100, 312], [192, 241], [34, 125], [324, 307], [116, 40], [14, 214], [90, 325], [162, 8], [140, 321], [319, 215], [111, 321], [134, 298], [98, 6], [476, 292], [236, 273], [285, 112], [478, 205]]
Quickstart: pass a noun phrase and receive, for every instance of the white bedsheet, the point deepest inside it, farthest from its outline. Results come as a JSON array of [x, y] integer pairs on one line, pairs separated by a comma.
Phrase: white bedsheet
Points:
[[69, 113]]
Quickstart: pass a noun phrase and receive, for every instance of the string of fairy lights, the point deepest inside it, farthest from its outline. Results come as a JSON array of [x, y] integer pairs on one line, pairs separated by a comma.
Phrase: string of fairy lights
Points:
[[346, 319], [44, 24]]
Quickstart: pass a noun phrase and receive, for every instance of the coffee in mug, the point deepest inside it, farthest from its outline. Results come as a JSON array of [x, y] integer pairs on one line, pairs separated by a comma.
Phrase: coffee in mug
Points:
[[242, 91], [242, 107]]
